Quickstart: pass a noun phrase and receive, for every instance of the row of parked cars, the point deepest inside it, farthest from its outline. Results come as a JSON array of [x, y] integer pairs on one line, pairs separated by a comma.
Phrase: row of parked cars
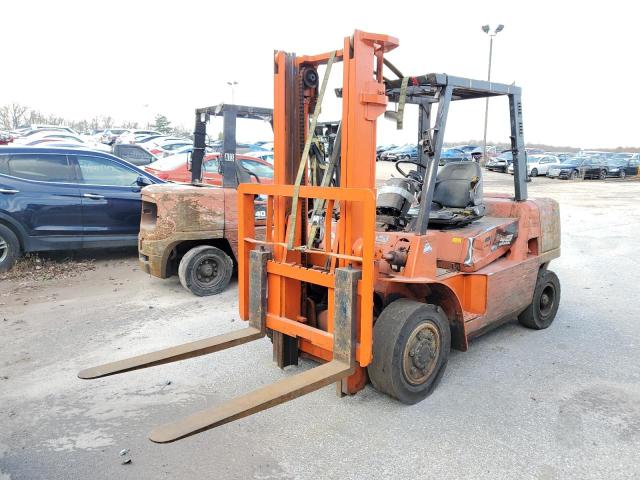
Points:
[[570, 166], [58, 195], [394, 153]]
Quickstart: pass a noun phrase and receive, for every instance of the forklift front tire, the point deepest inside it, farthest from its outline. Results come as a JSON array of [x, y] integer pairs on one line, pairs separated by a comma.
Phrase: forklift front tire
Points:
[[546, 299], [205, 270], [411, 343]]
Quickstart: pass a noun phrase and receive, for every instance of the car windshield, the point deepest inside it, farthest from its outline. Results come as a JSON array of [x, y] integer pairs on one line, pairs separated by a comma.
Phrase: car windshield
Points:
[[261, 170], [505, 156]]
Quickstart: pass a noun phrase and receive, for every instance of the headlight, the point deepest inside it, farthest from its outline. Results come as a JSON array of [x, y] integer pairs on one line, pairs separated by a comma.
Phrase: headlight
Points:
[[616, 169]]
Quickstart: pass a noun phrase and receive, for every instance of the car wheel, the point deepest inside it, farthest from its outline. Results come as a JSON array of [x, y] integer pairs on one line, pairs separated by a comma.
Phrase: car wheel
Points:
[[534, 172], [205, 270], [623, 174], [603, 174], [9, 248], [546, 299], [573, 175], [411, 343]]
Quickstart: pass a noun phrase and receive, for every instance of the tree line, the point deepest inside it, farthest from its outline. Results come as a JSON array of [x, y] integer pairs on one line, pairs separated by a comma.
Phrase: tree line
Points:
[[15, 115]]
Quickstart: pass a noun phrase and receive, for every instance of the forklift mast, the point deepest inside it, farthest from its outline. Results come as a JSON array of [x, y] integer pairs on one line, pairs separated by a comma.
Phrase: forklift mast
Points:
[[230, 114]]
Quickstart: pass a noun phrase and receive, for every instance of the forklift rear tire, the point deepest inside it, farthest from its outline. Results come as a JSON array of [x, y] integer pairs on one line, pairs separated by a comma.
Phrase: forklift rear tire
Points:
[[546, 299], [411, 343], [205, 270]]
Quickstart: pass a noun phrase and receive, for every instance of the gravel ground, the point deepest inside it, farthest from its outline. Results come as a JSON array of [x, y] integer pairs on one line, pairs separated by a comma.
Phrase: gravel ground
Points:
[[555, 404]]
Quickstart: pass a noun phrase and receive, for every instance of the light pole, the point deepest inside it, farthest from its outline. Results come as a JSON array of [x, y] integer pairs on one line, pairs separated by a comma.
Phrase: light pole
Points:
[[486, 29], [233, 91]]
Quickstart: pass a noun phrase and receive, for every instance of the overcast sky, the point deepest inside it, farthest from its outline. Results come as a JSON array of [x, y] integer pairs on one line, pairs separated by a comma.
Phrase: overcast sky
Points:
[[577, 62]]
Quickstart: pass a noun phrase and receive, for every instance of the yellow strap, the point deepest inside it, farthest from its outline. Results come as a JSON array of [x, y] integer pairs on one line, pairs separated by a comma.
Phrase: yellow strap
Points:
[[401, 102]]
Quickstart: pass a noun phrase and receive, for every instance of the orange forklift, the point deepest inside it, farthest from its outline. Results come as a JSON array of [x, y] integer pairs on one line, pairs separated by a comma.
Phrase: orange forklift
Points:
[[373, 286]]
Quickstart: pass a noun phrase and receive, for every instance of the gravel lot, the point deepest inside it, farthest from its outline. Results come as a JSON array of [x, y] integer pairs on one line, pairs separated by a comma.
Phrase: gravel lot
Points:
[[555, 404]]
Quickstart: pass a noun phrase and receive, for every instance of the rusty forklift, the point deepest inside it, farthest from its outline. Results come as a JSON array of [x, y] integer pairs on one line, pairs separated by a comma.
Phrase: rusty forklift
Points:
[[375, 287], [191, 230]]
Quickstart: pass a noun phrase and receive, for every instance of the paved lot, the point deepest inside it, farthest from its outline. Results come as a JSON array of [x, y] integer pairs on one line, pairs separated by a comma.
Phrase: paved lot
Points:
[[556, 404]]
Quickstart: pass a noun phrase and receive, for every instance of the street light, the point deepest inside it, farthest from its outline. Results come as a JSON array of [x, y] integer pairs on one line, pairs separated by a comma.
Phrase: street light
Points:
[[233, 91], [486, 29]]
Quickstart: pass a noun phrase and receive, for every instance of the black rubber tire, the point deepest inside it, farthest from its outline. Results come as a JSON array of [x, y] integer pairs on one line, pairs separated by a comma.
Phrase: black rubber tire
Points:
[[622, 174], [391, 332], [603, 175], [534, 172], [10, 251], [188, 274], [573, 175], [540, 318]]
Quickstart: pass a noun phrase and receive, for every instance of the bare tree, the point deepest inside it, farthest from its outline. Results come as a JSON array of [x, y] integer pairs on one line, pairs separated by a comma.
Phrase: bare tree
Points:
[[107, 121], [13, 115]]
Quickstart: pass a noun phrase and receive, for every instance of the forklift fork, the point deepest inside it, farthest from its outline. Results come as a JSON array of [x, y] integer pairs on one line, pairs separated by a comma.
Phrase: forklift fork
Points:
[[341, 366]]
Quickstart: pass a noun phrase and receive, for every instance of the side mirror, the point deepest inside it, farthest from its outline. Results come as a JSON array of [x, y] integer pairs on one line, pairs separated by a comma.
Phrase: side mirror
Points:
[[142, 181]]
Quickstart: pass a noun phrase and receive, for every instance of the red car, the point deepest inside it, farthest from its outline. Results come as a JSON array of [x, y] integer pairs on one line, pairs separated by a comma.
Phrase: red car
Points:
[[175, 168]]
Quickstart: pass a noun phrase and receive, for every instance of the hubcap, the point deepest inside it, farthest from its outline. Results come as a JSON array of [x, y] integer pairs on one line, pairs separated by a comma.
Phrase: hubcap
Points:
[[4, 249], [547, 300], [207, 271], [421, 353]]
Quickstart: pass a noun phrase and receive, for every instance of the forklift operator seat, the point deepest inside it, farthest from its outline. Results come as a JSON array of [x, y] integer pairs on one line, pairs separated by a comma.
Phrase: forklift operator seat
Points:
[[457, 198]]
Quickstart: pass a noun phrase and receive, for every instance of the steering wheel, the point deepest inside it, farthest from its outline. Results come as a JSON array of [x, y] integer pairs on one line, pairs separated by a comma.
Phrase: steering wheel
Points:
[[413, 174]]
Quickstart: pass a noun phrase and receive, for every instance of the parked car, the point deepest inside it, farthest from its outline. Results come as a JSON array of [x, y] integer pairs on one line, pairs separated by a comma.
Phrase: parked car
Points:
[[130, 135], [454, 154], [406, 152], [169, 148], [39, 126], [537, 164], [5, 137], [174, 168], [66, 198], [474, 151], [110, 135], [383, 148], [622, 165], [501, 162], [134, 154], [583, 167]]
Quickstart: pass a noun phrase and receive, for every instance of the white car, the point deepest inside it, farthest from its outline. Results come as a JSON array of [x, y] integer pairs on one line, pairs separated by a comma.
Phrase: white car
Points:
[[52, 138], [169, 148], [537, 164], [130, 136]]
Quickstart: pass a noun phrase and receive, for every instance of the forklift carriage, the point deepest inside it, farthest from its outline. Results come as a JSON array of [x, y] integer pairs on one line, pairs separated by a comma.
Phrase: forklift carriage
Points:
[[375, 287]]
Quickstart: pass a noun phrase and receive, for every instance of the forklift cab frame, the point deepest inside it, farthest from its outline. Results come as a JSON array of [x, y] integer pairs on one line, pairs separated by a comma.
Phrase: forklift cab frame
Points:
[[232, 172], [424, 91]]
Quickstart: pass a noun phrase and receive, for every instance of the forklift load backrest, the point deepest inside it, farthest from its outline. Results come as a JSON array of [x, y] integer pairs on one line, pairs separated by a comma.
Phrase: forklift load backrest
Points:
[[459, 185]]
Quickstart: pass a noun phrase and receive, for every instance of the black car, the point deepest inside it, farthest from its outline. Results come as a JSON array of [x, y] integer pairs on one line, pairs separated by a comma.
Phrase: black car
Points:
[[383, 148], [67, 198], [623, 165], [579, 167], [501, 162]]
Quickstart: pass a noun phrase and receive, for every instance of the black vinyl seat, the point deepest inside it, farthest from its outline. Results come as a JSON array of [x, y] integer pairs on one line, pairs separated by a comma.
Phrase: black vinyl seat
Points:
[[457, 198]]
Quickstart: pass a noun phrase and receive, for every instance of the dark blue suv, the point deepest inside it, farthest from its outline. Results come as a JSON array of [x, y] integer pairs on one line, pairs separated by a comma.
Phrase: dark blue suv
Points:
[[66, 198]]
